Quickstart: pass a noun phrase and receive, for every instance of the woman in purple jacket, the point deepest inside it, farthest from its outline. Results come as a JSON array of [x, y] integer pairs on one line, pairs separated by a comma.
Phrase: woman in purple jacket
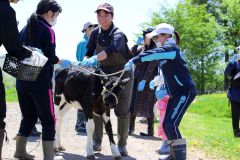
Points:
[[35, 97]]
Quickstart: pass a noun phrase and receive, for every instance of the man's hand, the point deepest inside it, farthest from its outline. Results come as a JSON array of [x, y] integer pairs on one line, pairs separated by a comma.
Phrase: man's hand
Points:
[[141, 85], [129, 65], [90, 62]]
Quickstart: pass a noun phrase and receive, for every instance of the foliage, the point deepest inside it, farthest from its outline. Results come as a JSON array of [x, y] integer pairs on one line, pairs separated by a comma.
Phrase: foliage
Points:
[[199, 42]]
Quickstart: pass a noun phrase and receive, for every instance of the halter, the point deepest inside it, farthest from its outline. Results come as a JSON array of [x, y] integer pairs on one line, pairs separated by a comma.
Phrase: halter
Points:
[[106, 92]]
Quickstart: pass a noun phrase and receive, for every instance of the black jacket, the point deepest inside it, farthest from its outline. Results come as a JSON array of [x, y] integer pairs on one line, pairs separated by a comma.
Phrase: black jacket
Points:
[[9, 34], [46, 42], [234, 91]]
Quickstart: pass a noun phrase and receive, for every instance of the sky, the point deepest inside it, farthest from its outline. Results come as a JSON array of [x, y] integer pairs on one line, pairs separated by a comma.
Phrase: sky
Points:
[[128, 15]]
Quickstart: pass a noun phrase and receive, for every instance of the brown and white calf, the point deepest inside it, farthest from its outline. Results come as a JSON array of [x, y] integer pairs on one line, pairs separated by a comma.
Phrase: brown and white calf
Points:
[[74, 89]]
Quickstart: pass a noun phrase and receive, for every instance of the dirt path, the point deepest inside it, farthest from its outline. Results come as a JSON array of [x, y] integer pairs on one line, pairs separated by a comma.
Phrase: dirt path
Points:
[[138, 148]]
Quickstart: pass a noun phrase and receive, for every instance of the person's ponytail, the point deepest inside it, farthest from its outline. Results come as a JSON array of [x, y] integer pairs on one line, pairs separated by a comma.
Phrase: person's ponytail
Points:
[[32, 29], [177, 35]]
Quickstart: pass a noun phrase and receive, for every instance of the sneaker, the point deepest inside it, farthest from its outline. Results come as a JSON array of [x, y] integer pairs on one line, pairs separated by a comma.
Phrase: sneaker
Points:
[[164, 149], [81, 128], [35, 133], [143, 120]]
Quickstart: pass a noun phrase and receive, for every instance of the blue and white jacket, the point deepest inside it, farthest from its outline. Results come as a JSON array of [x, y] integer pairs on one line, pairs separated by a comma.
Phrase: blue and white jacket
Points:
[[176, 75]]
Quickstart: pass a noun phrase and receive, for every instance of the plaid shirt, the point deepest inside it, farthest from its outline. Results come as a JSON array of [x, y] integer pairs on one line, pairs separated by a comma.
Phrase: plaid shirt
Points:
[[145, 99]]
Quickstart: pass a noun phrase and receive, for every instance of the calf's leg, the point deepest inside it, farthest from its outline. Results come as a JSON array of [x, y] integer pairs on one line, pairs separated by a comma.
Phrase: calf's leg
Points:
[[109, 131]]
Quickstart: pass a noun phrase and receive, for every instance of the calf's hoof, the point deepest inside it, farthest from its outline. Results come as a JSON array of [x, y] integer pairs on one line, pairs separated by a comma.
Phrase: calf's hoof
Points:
[[56, 150], [91, 157], [59, 149]]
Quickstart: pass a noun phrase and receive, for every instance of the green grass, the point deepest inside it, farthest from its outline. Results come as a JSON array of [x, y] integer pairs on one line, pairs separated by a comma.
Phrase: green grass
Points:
[[11, 95], [215, 105], [212, 135], [207, 126]]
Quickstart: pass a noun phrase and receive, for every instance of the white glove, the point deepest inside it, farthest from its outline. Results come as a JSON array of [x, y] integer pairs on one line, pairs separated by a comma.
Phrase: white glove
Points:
[[37, 59]]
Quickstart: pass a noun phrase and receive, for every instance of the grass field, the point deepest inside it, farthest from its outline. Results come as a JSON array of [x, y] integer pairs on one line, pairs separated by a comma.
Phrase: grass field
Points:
[[10, 89], [207, 126]]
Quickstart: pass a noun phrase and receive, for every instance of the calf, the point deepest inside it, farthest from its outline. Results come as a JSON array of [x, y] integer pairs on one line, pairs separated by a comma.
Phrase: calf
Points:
[[74, 88]]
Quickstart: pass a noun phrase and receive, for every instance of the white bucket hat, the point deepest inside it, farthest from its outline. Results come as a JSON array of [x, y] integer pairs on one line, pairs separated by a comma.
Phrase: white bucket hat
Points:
[[161, 28]]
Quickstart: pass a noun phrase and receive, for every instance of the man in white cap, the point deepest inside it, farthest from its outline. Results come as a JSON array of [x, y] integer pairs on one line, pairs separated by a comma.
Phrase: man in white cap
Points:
[[81, 51]]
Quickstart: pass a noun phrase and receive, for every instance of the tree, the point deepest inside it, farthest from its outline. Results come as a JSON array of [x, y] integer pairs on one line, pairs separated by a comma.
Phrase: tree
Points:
[[199, 39]]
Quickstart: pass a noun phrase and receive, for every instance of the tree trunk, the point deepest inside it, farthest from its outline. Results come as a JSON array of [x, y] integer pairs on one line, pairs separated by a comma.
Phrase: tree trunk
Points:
[[202, 76]]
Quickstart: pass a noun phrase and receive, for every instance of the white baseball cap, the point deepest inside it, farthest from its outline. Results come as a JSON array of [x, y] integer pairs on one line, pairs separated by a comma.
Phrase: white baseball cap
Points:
[[161, 28], [87, 24]]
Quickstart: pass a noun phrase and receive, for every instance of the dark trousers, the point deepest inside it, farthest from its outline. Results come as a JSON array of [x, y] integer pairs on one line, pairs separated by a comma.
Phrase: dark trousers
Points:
[[34, 104], [2, 102], [235, 106], [176, 108], [134, 95]]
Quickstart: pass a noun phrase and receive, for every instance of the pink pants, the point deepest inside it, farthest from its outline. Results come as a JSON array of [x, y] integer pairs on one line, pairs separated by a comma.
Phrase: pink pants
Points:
[[162, 107]]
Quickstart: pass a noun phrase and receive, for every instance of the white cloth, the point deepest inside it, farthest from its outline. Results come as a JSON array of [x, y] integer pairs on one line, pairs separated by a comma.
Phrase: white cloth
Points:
[[237, 76], [37, 59]]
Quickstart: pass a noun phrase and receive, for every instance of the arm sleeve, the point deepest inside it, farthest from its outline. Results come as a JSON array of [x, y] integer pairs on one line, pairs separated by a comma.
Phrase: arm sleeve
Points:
[[117, 44], [49, 46], [81, 50], [164, 52], [230, 69], [11, 37], [157, 55], [91, 46]]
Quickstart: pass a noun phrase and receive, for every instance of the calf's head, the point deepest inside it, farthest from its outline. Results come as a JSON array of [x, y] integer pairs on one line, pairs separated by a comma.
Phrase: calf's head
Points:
[[111, 90]]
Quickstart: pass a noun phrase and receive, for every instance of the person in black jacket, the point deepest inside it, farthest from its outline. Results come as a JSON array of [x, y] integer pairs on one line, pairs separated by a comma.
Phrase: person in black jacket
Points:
[[35, 97], [10, 39], [233, 71]]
